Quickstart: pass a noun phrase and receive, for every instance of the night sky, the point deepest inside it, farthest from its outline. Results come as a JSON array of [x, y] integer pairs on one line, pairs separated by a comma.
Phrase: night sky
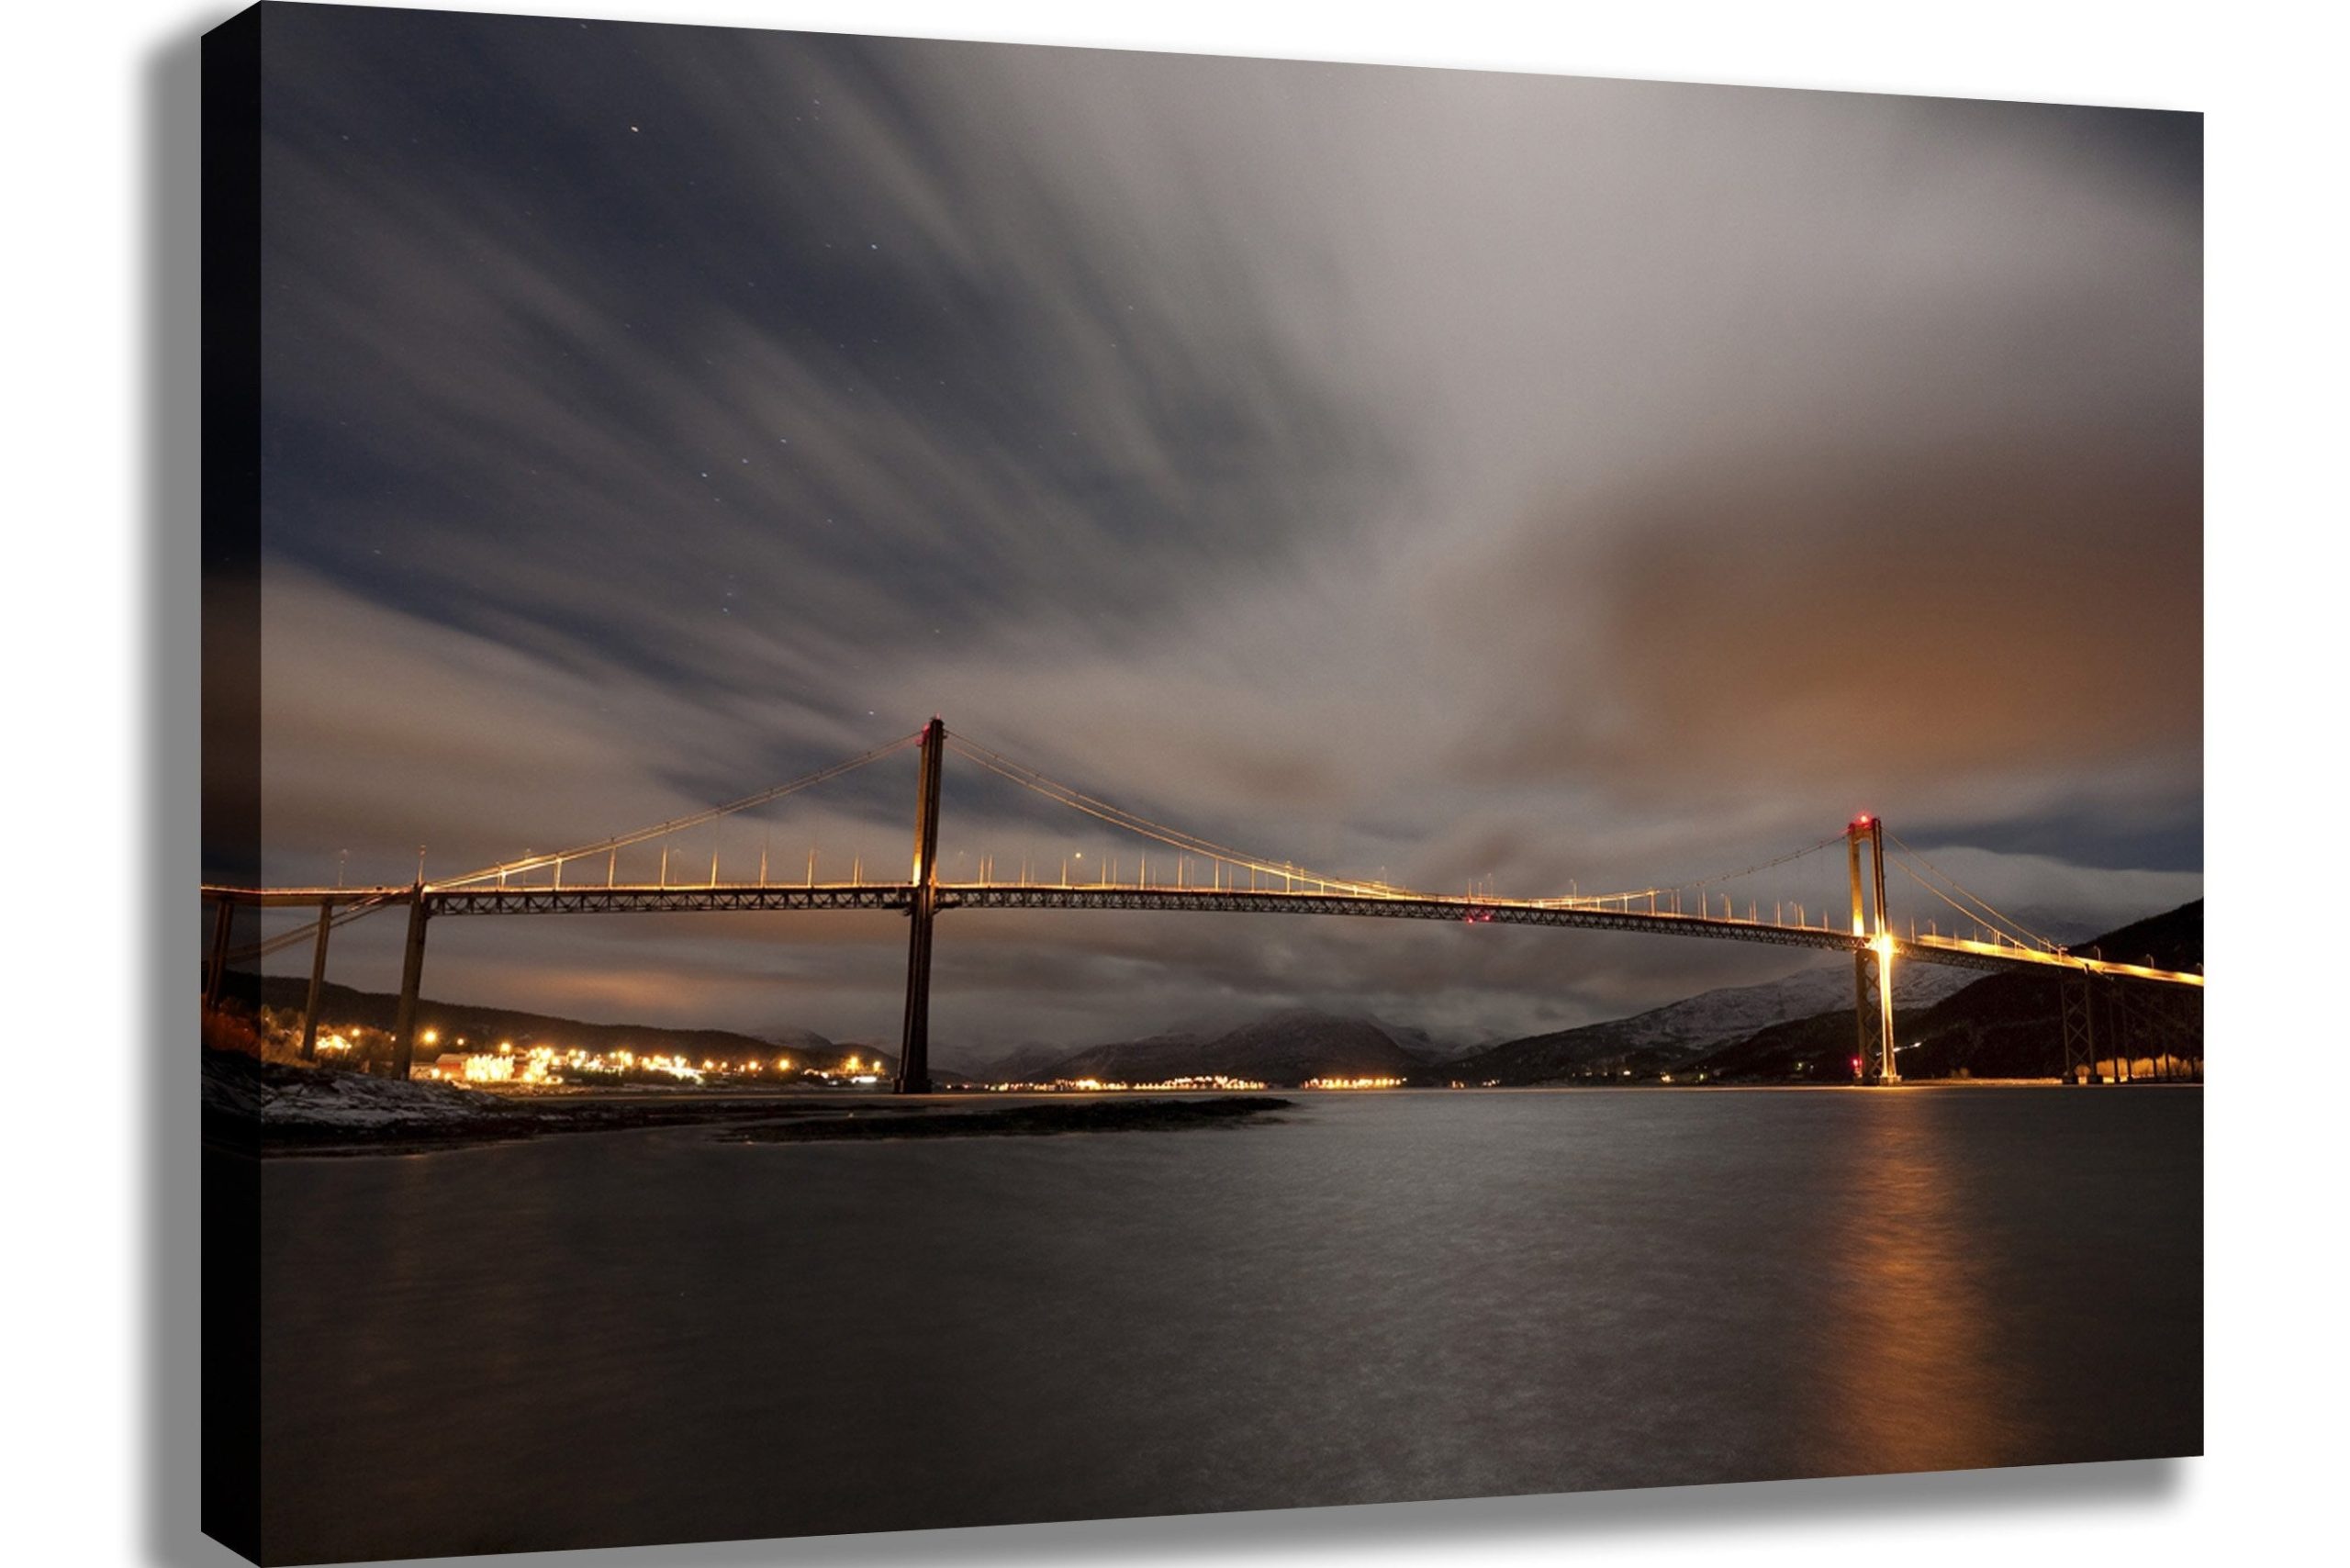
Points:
[[1435, 475]]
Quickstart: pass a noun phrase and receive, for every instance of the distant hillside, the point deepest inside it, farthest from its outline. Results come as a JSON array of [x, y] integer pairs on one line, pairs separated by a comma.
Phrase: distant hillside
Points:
[[1419, 1043], [1017, 1063], [1287, 1049], [1816, 1049], [2001, 1025], [340, 1006], [791, 1038], [1679, 1033]]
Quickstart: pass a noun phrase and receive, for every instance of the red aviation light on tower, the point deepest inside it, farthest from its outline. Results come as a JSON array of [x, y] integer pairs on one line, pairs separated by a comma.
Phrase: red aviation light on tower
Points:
[[1861, 821]]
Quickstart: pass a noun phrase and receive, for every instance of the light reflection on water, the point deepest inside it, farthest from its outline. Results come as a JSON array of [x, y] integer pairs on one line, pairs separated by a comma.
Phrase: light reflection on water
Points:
[[1920, 1384], [649, 1336]]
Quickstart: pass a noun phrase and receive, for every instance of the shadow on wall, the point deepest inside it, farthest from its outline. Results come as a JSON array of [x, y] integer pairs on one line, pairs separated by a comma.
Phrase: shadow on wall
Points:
[[168, 742]]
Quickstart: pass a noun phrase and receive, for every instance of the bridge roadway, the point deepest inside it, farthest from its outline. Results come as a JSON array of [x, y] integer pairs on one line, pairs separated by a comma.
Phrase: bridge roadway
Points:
[[1356, 900]]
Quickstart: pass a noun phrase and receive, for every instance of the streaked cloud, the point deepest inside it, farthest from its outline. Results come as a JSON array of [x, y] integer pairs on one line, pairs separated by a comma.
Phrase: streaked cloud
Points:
[[1432, 474]]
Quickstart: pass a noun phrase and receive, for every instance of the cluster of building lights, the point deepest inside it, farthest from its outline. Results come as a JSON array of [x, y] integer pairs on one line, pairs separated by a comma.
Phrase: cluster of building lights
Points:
[[558, 1064], [1354, 1084]]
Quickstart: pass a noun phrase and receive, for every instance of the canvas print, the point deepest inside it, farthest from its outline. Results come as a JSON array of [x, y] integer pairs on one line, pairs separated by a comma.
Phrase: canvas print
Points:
[[953, 784]]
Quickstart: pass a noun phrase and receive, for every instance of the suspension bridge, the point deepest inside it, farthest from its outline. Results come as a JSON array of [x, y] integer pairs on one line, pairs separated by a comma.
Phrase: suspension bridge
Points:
[[1213, 879]]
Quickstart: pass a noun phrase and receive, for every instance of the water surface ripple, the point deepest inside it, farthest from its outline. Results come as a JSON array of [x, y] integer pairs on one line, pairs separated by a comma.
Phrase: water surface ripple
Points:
[[609, 1339]]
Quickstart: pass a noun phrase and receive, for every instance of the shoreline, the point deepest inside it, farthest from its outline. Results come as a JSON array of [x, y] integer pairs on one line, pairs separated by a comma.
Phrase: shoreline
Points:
[[272, 1110], [1034, 1119]]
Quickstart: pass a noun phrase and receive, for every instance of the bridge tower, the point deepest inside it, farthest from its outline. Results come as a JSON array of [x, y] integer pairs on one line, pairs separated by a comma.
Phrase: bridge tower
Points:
[[913, 1047], [1873, 964]]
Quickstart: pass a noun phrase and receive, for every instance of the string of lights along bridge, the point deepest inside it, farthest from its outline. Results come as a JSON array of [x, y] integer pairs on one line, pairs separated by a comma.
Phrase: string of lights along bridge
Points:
[[1198, 875]]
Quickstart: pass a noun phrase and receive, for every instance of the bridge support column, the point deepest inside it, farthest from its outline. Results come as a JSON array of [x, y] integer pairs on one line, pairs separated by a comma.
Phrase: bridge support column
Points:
[[411, 981], [1864, 1019], [2175, 1022], [1890, 1067], [1889, 1064], [1864, 1050], [318, 978], [914, 1045], [2078, 1018], [1872, 1014], [215, 963], [2126, 1036]]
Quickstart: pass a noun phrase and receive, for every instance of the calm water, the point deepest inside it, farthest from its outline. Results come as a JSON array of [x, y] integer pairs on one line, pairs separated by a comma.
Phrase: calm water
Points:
[[644, 1336]]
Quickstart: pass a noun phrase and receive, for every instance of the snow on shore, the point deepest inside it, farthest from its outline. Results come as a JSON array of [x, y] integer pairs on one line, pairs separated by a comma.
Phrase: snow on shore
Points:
[[280, 1097]]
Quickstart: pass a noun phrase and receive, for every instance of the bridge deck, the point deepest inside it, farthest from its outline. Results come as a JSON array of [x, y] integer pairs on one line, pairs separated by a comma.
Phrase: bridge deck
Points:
[[1356, 902]]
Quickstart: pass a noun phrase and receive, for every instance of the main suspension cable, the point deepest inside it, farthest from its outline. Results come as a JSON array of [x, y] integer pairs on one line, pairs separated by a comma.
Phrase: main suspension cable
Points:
[[680, 825], [1117, 816], [1031, 779], [2006, 925]]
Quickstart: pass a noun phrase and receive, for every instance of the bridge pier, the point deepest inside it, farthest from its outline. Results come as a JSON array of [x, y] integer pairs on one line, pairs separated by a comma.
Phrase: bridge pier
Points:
[[318, 978], [1872, 1014], [914, 1045], [411, 980], [216, 964], [2077, 1017], [1865, 1044], [2162, 1026]]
